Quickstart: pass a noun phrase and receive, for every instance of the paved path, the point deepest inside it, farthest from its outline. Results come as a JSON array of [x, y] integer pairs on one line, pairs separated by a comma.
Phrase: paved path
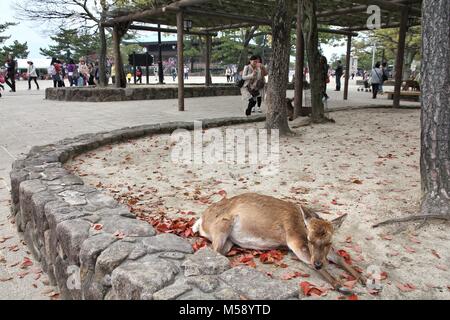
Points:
[[27, 119]]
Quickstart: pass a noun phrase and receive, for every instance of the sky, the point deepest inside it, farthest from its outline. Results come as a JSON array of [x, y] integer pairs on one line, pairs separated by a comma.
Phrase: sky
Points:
[[37, 37]]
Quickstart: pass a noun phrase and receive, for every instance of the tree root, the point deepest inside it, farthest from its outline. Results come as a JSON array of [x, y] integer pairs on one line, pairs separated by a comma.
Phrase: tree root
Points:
[[423, 217]]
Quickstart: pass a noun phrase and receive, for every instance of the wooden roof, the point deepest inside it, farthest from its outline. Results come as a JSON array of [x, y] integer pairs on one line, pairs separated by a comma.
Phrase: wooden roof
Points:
[[218, 15]]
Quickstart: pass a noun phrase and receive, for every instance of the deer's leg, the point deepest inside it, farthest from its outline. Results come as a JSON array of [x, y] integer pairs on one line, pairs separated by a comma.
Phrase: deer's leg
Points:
[[303, 254], [340, 261]]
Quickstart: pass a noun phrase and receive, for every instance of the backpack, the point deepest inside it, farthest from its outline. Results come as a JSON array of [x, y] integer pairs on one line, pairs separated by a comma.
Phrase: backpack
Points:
[[384, 77]]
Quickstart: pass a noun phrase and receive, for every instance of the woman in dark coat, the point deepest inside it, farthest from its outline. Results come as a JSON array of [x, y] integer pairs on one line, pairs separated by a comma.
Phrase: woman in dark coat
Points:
[[10, 79]]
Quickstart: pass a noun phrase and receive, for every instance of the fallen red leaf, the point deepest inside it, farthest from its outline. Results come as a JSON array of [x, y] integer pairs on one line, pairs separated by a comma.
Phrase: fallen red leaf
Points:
[[414, 239], [357, 181], [407, 287], [288, 276], [434, 252], [409, 249], [97, 226], [387, 237], [4, 279], [348, 239], [350, 284], [119, 235], [26, 263], [345, 255], [353, 297], [223, 193], [4, 238], [310, 289], [271, 256], [199, 244], [23, 274]]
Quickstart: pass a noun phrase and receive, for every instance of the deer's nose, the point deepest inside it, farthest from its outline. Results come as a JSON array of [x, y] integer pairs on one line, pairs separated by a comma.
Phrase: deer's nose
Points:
[[318, 265]]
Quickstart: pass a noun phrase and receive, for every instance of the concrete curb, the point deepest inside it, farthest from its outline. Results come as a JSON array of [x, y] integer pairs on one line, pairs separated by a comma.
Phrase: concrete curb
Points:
[[61, 217]]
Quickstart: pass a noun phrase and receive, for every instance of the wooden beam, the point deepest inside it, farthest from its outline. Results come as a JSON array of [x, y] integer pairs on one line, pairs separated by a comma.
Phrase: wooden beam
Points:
[[341, 32], [208, 81], [333, 13], [347, 67], [400, 57], [180, 36], [394, 5], [168, 30], [153, 12], [232, 17], [299, 61]]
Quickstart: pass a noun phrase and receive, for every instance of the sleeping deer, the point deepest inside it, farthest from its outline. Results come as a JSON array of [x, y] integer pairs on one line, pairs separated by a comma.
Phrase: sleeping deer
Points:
[[262, 222]]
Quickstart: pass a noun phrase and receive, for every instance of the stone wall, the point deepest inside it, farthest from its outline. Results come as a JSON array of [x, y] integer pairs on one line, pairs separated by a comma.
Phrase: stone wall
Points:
[[125, 259], [91, 94]]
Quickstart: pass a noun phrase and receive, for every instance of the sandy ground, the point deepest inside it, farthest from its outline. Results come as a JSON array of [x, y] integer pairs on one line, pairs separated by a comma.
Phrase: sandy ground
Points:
[[365, 165]]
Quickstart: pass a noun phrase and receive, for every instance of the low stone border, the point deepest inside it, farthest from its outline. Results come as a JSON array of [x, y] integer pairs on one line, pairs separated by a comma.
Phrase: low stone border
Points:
[[57, 214], [91, 94]]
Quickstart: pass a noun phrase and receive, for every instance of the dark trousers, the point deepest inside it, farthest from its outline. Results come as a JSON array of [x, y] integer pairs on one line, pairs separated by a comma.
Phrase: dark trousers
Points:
[[375, 88], [11, 84], [35, 81], [251, 104], [338, 82]]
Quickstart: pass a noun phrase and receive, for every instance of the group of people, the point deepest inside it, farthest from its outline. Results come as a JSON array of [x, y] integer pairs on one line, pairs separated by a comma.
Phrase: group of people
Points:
[[78, 74], [230, 72]]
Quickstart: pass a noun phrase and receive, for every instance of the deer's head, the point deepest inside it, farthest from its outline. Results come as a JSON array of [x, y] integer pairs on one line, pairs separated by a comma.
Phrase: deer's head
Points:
[[320, 233]]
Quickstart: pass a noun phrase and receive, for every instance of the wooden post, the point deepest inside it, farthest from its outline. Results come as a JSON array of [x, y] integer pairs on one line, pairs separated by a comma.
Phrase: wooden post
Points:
[[208, 62], [299, 62], [347, 66], [400, 57], [180, 35], [134, 67], [147, 69]]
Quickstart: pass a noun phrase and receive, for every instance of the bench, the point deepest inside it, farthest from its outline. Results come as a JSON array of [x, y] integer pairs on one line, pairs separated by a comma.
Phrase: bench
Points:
[[405, 95]]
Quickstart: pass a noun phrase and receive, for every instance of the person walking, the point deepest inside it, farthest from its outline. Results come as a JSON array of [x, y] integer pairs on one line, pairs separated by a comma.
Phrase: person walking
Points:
[[338, 73], [32, 74], [139, 75], [174, 73], [228, 74], [253, 83], [71, 69], [186, 72], [324, 67], [384, 77], [83, 70], [10, 78], [113, 73], [376, 77]]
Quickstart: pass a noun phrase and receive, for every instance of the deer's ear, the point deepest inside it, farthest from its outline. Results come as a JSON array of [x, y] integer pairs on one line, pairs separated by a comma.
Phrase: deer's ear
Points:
[[337, 222]]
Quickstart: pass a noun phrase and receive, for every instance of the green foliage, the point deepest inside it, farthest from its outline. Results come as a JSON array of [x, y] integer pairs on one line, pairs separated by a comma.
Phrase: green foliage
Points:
[[17, 50], [6, 25], [72, 43], [386, 41]]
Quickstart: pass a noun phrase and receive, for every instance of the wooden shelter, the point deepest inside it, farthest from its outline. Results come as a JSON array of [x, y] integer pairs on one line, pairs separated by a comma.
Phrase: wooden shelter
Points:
[[343, 17]]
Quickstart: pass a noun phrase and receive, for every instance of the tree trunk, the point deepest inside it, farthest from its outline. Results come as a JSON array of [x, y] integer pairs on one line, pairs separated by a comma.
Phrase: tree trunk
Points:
[[243, 57], [311, 38], [278, 73], [119, 31], [299, 62], [102, 58], [435, 119]]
